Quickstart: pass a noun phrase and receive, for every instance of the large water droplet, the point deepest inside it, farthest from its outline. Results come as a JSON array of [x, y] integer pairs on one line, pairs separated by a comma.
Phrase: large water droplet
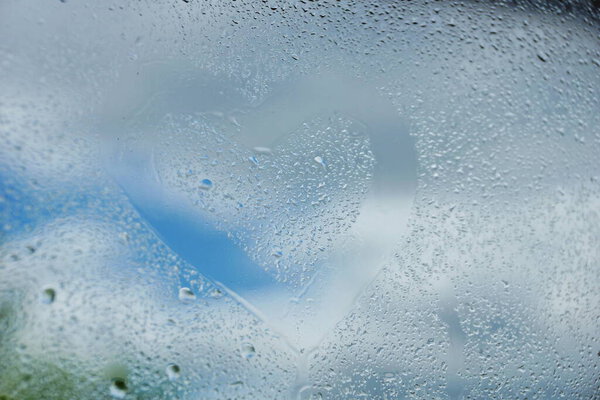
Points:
[[173, 371], [206, 184], [48, 296], [118, 388], [319, 160], [186, 294], [248, 350]]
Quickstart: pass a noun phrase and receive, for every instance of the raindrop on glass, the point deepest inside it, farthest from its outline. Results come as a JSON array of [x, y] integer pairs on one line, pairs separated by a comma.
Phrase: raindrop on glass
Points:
[[48, 296], [248, 350], [186, 294], [319, 160], [206, 184], [118, 388], [173, 371]]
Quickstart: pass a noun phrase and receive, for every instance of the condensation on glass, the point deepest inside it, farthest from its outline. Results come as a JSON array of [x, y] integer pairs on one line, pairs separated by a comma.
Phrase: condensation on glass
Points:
[[299, 200]]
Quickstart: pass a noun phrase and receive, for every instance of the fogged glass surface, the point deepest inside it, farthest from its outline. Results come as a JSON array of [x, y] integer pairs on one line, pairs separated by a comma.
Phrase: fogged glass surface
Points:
[[299, 200]]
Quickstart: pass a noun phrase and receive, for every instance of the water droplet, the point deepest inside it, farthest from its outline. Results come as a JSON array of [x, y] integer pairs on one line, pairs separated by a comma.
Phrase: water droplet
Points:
[[206, 184], [319, 160], [186, 294], [262, 150], [118, 388], [308, 392], [173, 371], [277, 253], [253, 160], [48, 296], [248, 350], [390, 377]]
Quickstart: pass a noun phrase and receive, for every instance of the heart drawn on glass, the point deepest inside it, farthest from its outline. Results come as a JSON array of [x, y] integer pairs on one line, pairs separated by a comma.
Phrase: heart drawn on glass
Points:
[[292, 206]]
